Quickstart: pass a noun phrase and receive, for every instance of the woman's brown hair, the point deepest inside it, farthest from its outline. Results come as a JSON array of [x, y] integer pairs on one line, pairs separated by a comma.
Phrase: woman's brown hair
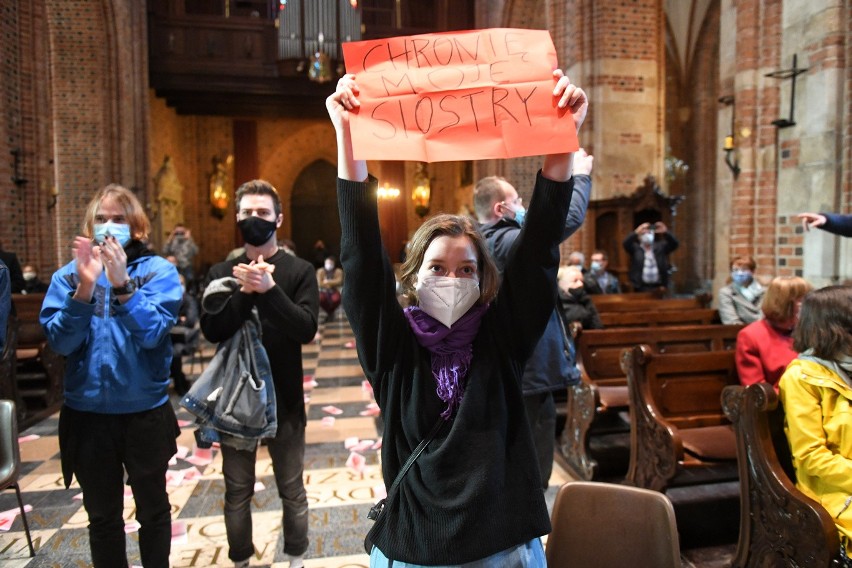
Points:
[[779, 303], [133, 211], [450, 226], [744, 259], [825, 323]]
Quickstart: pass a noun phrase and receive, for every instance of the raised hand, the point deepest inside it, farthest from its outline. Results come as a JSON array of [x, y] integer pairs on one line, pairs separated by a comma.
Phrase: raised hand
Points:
[[571, 97], [811, 220], [114, 261]]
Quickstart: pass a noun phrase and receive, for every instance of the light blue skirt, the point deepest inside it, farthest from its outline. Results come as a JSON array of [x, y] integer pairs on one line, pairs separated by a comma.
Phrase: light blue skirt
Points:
[[529, 555]]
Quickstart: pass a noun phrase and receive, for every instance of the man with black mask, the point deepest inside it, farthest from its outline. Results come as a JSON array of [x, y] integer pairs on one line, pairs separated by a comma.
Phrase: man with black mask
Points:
[[283, 288]]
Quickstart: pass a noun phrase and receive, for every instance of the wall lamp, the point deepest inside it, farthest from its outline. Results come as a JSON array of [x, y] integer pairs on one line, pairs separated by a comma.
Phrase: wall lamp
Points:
[[731, 159], [784, 74], [386, 192]]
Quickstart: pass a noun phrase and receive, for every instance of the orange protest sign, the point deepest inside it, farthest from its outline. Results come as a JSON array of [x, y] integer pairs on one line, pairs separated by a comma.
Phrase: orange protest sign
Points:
[[470, 95]]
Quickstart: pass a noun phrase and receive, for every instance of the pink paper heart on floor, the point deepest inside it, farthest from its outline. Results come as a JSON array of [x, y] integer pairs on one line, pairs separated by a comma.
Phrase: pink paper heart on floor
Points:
[[333, 410]]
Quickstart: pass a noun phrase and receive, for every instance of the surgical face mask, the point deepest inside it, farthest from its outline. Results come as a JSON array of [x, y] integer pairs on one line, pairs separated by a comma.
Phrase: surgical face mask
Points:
[[445, 298], [29, 275], [121, 232], [741, 277], [596, 266], [256, 231], [329, 266], [647, 238], [520, 215]]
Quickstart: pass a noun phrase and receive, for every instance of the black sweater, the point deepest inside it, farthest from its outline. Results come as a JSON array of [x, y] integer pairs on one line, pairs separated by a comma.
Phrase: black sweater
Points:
[[288, 316], [476, 489]]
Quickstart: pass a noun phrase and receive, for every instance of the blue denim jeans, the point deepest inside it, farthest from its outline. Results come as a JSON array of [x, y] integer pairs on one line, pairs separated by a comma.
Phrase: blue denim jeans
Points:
[[287, 451], [529, 555]]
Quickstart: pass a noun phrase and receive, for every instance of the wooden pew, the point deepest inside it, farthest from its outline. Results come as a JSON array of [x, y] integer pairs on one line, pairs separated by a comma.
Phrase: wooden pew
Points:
[[602, 301], [679, 434], [657, 318], [779, 525], [651, 305], [594, 403], [39, 369]]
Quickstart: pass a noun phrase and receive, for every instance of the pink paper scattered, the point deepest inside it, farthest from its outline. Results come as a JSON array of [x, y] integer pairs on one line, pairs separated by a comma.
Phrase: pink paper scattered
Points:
[[28, 438], [351, 442], [131, 526], [327, 421], [179, 532], [8, 517], [128, 492], [349, 345], [259, 486], [333, 410], [182, 452], [377, 445], [371, 410], [174, 477], [201, 456], [367, 387], [363, 446], [380, 491], [356, 462]]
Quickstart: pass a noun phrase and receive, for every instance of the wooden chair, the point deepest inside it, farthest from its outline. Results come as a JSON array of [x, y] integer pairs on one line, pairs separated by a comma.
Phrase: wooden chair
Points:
[[779, 525], [603, 525], [679, 435]]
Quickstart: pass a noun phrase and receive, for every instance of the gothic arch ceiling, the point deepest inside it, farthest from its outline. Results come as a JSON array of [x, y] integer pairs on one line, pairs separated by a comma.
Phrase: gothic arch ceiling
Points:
[[683, 20]]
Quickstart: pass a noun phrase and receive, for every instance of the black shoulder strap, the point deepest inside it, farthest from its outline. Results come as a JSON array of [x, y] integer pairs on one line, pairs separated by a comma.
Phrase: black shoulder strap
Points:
[[416, 453]]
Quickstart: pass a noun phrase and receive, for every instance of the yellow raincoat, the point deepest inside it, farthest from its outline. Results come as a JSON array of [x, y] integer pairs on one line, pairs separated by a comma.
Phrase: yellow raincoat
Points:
[[818, 408]]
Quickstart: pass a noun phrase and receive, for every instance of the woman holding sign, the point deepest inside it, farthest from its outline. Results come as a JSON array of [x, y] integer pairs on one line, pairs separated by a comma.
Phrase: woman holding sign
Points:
[[448, 368]]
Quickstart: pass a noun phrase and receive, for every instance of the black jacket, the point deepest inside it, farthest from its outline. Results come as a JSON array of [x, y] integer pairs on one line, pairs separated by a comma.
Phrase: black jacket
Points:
[[476, 489], [288, 316]]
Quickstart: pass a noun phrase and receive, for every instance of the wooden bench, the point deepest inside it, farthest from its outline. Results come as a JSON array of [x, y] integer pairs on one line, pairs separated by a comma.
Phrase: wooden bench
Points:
[[657, 318], [594, 403], [602, 301], [40, 370], [605, 303], [679, 434], [779, 525]]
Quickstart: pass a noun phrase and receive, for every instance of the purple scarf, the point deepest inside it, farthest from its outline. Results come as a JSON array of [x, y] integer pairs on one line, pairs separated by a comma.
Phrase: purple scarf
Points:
[[451, 348]]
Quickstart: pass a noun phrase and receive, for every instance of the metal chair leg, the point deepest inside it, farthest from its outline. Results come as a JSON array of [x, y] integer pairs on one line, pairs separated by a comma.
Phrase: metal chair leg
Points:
[[24, 518]]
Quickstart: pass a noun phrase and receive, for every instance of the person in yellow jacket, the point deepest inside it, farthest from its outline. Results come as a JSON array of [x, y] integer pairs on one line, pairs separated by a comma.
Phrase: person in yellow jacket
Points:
[[816, 390]]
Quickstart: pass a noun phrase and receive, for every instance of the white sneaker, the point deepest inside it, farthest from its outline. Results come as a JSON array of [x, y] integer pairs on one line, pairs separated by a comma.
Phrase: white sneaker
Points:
[[242, 564], [297, 561]]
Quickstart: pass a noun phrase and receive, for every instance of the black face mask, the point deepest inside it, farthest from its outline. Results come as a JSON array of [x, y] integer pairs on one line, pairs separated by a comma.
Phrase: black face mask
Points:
[[577, 293], [256, 231]]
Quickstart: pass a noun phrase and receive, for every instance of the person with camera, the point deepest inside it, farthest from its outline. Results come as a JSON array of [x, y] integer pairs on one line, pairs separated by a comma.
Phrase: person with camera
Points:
[[649, 247]]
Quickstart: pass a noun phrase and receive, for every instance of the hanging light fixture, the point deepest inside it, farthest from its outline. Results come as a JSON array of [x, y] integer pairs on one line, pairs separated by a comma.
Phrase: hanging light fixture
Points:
[[421, 195]]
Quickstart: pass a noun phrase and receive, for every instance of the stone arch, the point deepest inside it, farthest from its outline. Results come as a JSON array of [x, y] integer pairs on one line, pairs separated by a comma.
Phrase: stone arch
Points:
[[313, 207]]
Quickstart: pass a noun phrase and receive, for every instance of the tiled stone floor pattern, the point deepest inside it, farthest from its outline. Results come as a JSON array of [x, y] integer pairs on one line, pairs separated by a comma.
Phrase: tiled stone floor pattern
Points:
[[338, 496]]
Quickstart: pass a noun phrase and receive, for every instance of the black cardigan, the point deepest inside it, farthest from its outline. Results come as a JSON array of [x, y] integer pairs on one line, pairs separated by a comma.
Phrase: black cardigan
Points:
[[476, 489], [288, 316]]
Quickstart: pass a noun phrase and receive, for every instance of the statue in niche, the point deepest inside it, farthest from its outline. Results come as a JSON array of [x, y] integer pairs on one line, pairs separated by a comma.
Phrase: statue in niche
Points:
[[169, 199]]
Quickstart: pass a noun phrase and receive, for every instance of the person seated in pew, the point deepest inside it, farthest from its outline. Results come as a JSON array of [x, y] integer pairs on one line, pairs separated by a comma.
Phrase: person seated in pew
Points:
[[765, 347], [575, 303], [816, 391], [32, 283], [740, 300], [597, 279]]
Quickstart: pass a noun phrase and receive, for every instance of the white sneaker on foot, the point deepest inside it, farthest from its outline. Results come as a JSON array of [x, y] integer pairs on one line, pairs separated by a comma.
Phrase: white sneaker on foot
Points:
[[242, 563], [297, 561]]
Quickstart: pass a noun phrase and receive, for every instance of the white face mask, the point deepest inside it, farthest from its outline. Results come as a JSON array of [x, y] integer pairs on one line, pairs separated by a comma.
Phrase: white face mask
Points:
[[647, 238], [445, 298]]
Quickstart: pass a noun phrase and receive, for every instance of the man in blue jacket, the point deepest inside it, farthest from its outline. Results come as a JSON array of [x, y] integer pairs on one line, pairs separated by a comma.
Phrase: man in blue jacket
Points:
[[552, 366], [109, 311]]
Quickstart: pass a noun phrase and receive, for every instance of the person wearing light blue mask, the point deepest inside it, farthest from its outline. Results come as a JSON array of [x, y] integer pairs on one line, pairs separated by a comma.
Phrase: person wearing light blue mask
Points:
[[740, 300], [109, 312]]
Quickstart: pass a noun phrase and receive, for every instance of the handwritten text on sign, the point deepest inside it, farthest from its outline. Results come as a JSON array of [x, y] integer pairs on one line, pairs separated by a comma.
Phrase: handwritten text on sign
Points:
[[457, 96]]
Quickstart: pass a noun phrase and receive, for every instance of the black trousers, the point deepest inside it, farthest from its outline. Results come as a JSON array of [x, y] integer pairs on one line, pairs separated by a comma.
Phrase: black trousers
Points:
[[100, 448]]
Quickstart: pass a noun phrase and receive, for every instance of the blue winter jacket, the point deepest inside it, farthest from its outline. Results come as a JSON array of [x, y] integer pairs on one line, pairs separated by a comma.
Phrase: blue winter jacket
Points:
[[118, 355]]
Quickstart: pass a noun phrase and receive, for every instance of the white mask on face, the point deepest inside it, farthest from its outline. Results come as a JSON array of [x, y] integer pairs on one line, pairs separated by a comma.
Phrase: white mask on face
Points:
[[445, 298], [647, 238]]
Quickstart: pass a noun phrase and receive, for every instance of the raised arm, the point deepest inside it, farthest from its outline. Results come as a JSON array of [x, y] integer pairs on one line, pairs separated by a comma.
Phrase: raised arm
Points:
[[558, 167], [343, 100]]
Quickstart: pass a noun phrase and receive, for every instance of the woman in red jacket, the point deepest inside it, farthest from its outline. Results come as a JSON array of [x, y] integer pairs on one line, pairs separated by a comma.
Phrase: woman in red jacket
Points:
[[765, 347]]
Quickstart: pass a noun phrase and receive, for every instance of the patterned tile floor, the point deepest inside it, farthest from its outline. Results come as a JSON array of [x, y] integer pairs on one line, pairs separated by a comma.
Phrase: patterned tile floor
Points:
[[339, 496]]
